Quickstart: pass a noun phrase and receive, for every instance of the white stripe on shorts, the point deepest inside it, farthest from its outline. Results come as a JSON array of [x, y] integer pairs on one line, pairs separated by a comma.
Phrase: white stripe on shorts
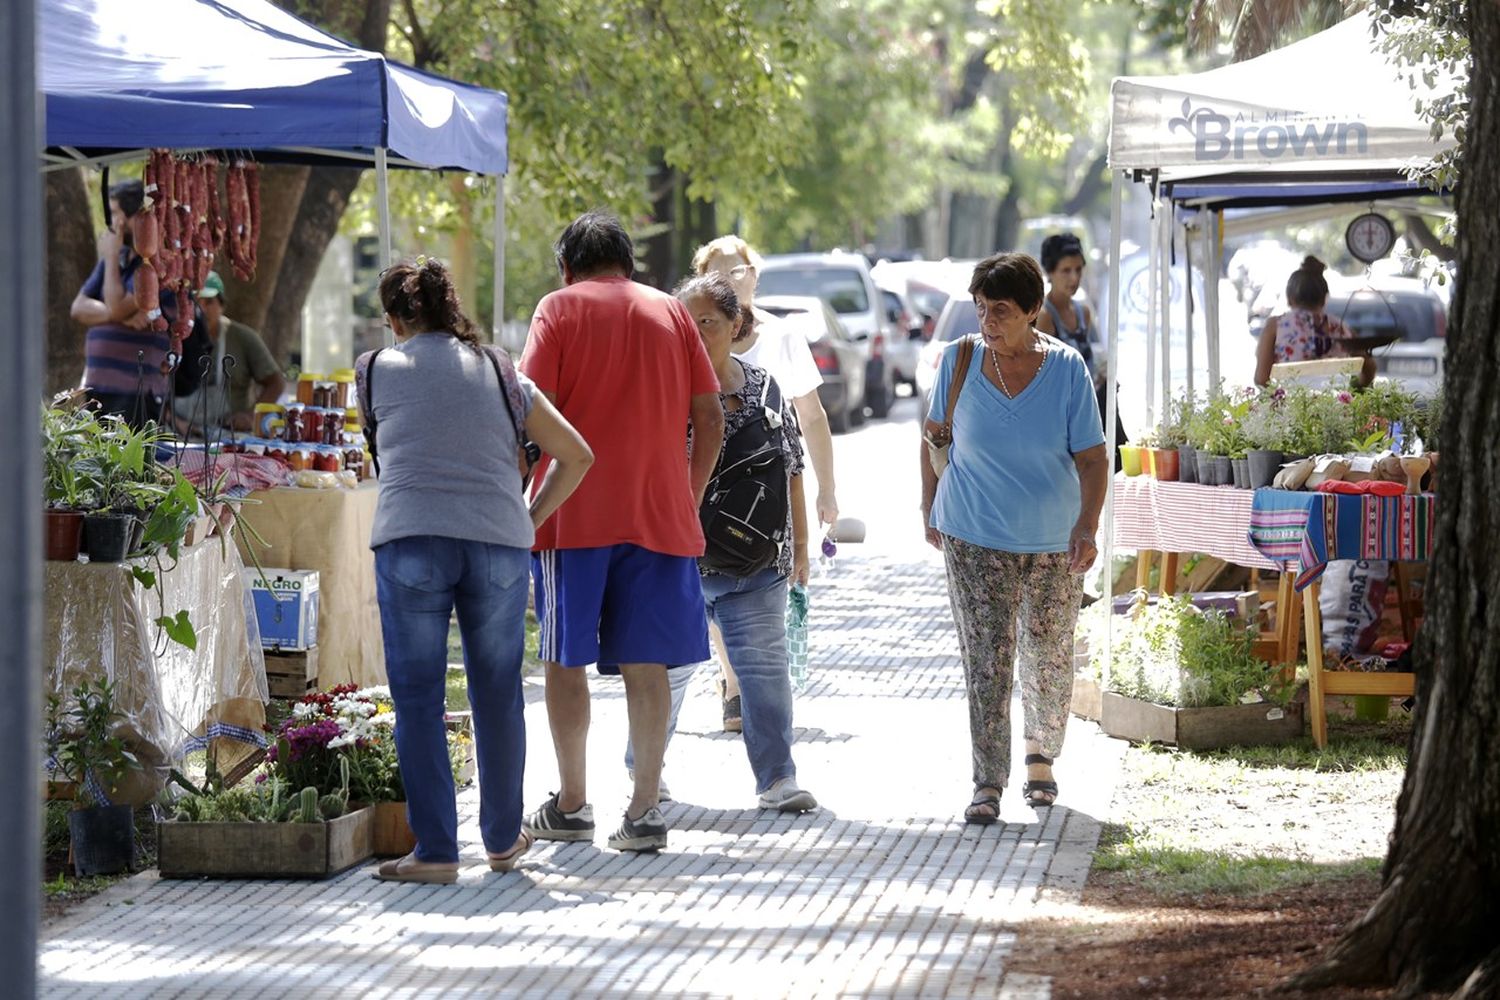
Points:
[[548, 640]]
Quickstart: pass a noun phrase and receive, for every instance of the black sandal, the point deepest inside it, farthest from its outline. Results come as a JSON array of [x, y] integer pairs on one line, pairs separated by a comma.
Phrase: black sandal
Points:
[[973, 815], [1035, 792]]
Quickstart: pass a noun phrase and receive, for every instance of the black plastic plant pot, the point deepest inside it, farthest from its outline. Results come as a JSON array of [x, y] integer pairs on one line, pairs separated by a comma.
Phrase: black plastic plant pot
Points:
[[108, 536], [103, 839], [1187, 464], [1264, 464]]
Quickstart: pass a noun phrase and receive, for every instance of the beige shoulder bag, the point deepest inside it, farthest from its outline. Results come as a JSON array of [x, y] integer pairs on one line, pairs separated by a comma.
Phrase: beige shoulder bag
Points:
[[940, 436]]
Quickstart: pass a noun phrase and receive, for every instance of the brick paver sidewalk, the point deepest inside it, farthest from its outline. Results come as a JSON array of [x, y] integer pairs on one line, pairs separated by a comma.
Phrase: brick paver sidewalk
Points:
[[882, 892]]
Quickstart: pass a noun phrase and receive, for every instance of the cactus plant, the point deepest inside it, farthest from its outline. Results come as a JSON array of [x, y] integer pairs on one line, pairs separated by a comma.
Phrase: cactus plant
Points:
[[307, 806]]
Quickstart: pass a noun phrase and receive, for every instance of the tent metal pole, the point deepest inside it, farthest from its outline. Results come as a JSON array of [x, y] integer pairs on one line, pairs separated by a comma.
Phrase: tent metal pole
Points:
[[21, 498], [383, 207], [499, 285], [1167, 222], [1211, 293], [1187, 272], [1153, 261], [1111, 409]]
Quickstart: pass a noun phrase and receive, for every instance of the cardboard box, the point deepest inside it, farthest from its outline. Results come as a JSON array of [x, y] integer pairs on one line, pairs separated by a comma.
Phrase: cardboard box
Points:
[[288, 610]]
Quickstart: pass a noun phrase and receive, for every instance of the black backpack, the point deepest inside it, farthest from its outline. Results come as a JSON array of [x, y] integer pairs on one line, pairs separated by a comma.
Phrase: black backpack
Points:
[[745, 506]]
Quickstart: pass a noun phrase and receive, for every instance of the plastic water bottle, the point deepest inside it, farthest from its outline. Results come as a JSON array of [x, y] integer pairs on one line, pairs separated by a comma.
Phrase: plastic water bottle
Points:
[[796, 635]]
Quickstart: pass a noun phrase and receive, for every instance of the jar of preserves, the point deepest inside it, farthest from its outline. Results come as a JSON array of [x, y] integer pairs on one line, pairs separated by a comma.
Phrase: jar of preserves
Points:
[[333, 427], [312, 424], [300, 457], [323, 394], [326, 459], [305, 383], [354, 459], [277, 450], [269, 418], [291, 431], [344, 392]]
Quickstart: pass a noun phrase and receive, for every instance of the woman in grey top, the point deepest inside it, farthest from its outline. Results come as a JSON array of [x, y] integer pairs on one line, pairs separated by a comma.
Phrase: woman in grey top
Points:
[[453, 531]]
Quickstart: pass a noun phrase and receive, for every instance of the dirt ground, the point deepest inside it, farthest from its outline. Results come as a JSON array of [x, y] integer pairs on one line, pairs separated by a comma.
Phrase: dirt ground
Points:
[[1221, 875]]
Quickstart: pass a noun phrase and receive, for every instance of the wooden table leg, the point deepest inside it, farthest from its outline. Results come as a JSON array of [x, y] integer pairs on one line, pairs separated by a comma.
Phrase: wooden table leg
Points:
[[1143, 569], [1315, 707], [1168, 573]]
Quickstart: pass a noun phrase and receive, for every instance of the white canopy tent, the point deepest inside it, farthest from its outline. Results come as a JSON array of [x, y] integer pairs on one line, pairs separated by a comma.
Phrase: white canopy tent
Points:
[[1323, 120]]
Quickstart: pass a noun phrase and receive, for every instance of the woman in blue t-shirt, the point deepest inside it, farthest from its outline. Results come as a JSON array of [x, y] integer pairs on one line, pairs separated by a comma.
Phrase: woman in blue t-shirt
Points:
[[1015, 516]]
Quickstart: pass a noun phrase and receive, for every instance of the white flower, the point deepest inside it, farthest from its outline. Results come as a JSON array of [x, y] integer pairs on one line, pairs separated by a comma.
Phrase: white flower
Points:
[[302, 710], [377, 693], [342, 740]]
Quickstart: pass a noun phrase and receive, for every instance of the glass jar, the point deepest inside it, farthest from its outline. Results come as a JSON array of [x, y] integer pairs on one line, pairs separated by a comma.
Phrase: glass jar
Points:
[[323, 395], [354, 459], [268, 420], [305, 383], [277, 450], [300, 457], [333, 427], [291, 431], [344, 391], [326, 459], [312, 424]]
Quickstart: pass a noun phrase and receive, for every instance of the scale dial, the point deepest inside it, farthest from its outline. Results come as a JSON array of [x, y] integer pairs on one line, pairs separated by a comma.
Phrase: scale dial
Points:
[[1370, 237]]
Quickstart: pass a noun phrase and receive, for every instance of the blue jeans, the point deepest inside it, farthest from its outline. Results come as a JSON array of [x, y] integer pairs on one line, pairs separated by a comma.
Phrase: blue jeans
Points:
[[751, 613], [420, 580]]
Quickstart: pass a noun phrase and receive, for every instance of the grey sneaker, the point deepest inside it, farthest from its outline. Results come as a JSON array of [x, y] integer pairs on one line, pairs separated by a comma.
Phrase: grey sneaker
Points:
[[551, 823], [663, 793], [785, 796], [647, 833]]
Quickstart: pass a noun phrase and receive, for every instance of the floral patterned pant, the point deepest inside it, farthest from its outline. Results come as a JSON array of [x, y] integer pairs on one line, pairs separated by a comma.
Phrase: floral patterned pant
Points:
[[995, 595]]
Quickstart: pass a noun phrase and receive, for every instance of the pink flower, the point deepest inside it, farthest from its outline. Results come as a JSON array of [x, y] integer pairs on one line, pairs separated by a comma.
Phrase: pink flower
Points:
[[1344, 397]]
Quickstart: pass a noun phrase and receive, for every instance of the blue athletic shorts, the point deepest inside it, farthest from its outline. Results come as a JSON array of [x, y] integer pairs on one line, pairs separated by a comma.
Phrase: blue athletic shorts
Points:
[[618, 604]]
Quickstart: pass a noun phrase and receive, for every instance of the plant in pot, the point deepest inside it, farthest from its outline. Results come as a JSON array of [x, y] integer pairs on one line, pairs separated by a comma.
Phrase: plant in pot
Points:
[[85, 750], [1175, 434], [1268, 434], [68, 489], [120, 460]]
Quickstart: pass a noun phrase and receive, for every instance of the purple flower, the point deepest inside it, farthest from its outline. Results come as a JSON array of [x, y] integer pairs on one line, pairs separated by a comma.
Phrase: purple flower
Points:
[[1344, 397]]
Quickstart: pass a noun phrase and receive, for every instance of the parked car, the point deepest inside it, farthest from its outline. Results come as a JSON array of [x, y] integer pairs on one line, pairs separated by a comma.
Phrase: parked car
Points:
[[958, 318], [843, 281], [928, 284], [838, 357], [1386, 305], [907, 337]]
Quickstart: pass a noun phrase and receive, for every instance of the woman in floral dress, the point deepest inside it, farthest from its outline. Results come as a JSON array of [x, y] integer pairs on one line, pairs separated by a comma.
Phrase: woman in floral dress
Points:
[[1304, 332]]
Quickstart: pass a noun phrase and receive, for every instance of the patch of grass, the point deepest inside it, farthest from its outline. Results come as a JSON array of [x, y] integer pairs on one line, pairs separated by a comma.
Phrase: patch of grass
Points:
[[1175, 871], [458, 687], [1353, 746]]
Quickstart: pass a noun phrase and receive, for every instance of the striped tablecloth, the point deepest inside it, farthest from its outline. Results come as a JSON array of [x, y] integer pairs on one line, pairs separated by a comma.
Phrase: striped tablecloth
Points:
[[1186, 517], [1311, 529]]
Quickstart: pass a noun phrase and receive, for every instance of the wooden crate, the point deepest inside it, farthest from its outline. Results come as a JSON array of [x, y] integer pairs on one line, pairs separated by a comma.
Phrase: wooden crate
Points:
[[264, 850], [1199, 728], [291, 675], [391, 835]]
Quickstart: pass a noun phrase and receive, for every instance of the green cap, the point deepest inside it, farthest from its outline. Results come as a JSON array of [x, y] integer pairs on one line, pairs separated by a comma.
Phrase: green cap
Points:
[[213, 286]]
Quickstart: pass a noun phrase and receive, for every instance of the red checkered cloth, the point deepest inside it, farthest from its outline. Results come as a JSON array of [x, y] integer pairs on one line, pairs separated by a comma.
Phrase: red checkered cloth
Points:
[[243, 473], [1185, 517]]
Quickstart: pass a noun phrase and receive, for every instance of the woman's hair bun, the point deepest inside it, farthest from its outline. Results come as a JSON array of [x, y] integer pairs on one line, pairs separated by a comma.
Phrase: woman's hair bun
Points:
[[1313, 264]]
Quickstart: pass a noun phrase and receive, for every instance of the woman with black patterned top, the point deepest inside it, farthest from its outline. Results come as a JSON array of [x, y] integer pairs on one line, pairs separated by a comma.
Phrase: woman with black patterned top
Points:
[[750, 609]]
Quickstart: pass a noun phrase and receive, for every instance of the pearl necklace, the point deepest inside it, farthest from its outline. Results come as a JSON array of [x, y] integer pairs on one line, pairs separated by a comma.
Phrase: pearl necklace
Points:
[[995, 360]]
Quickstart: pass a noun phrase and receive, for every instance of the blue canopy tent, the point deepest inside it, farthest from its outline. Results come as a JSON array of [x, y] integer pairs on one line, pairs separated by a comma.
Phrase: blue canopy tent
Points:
[[120, 79]]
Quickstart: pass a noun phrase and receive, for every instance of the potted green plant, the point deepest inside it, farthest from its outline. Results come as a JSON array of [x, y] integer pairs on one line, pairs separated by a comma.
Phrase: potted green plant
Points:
[[85, 750], [1268, 432], [1190, 677], [67, 488]]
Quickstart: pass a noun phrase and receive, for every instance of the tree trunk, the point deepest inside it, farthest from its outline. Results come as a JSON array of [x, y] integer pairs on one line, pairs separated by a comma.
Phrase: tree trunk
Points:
[[462, 244], [71, 255], [1433, 925], [659, 250], [324, 199]]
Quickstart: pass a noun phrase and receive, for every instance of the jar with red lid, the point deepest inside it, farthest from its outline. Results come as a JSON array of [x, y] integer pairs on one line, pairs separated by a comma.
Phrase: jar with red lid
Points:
[[292, 432], [300, 457], [326, 459], [333, 427], [312, 424]]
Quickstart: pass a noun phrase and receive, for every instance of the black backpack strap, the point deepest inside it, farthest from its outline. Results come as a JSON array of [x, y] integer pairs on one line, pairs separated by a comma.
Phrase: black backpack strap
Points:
[[370, 421], [533, 452]]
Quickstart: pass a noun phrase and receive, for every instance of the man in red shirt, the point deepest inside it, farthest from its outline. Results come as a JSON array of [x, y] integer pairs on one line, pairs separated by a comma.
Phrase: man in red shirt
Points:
[[616, 568]]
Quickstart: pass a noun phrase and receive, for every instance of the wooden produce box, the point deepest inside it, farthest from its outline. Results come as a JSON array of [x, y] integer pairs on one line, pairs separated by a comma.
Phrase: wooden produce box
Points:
[[1086, 698], [264, 850], [1199, 728], [291, 675], [391, 835]]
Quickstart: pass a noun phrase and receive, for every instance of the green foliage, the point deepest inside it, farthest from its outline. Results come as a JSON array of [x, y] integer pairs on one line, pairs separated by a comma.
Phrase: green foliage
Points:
[[82, 741], [1171, 653], [1432, 49]]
